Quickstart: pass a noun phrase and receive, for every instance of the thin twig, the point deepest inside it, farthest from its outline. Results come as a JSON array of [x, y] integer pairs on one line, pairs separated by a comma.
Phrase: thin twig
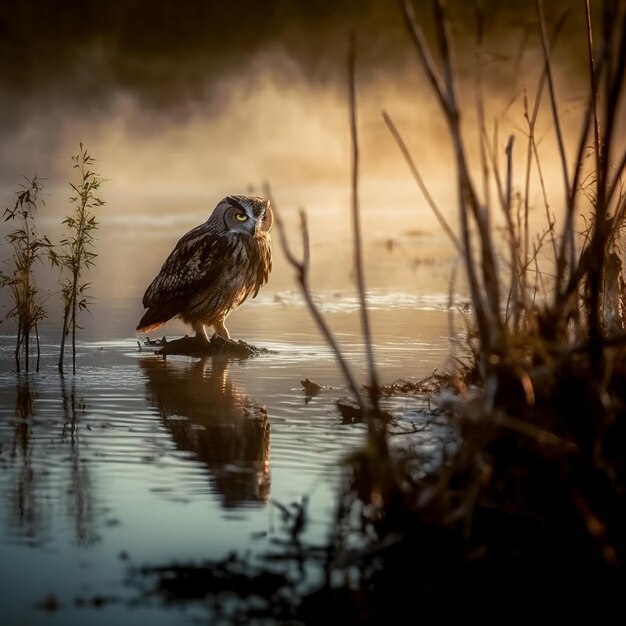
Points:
[[598, 238], [438, 88], [493, 155], [593, 85], [424, 51], [533, 154], [513, 238], [567, 246], [301, 268], [480, 101], [602, 222], [356, 227], [552, 93], [533, 151], [617, 177], [420, 181]]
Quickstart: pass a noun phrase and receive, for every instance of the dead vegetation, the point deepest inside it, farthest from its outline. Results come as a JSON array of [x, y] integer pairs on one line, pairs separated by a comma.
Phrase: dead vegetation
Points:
[[74, 254], [527, 512]]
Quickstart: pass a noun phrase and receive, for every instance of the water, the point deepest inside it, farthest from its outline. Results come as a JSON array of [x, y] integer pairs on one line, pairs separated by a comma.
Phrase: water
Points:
[[137, 461]]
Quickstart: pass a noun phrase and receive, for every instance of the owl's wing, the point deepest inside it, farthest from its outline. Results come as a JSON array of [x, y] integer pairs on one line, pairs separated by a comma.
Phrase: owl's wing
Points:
[[195, 263]]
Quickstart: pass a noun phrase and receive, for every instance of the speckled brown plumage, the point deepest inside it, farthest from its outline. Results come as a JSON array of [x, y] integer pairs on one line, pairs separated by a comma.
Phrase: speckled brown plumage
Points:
[[213, 268]]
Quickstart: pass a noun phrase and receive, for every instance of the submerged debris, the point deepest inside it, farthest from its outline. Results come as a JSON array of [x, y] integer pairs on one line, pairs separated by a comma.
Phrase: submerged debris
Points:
[[433, 384], [151, 343], [311, 388], [352, 413], [184, 582], [255, 593]]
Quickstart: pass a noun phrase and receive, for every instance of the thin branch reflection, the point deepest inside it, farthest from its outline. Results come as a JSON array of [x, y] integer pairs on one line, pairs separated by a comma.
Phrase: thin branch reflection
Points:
[[26, 512], [80, 489], [40, 472]]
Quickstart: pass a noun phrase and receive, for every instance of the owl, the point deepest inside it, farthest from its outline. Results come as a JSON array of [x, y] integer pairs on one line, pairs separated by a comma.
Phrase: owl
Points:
[[213, 268]]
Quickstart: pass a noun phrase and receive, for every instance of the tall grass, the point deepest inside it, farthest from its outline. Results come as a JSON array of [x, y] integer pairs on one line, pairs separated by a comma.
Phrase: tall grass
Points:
[[76, 253], [28, 248], [577, 306]]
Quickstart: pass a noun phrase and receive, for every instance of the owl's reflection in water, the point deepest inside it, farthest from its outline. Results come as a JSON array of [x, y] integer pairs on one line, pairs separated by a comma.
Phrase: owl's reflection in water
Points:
[[207, 414]]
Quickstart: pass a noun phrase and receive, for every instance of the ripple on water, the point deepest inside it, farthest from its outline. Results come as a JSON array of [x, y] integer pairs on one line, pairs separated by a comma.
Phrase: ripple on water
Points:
[[377, 299], [185, 457]]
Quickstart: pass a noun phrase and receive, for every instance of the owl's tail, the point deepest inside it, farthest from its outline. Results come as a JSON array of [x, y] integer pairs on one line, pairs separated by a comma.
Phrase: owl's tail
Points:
[[156, 316], [149, 328]]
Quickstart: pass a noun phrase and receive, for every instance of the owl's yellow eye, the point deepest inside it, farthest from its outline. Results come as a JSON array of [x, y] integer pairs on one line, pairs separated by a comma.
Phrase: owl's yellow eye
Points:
[[241, 217]]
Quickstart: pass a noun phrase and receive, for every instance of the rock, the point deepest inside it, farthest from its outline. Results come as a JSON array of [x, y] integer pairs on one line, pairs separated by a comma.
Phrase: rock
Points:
[[198, 347], [310, 388]]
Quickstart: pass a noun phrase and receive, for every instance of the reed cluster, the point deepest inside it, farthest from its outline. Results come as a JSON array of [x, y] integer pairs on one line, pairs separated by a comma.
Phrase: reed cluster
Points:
[[74, 254], [28, 248], [76, 251]]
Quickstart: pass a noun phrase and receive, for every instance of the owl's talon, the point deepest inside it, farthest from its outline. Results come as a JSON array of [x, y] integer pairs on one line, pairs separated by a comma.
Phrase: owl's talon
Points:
[[217, 346]]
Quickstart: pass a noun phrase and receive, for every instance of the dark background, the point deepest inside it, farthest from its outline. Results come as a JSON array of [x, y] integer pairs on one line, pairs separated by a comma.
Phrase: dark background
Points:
[[164, 51]]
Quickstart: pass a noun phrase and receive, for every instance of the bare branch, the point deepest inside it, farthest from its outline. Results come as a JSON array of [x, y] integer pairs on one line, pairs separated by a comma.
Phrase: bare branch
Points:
[[424, 51], [302, 275]]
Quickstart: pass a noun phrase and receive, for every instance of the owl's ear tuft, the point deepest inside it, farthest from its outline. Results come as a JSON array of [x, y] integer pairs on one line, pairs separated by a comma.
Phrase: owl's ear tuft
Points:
[[268, 218]]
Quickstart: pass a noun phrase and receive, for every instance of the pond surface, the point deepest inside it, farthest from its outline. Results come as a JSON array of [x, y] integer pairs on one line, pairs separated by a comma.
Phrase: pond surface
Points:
[[138, 461]]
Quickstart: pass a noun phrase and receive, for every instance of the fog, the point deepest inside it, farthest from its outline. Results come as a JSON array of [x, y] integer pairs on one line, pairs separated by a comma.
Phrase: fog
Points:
[[183, 104]]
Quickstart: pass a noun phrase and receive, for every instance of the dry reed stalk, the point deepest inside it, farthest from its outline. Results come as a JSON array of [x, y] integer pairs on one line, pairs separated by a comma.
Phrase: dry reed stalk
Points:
[[374, 386], [573, 272], [483, 277]]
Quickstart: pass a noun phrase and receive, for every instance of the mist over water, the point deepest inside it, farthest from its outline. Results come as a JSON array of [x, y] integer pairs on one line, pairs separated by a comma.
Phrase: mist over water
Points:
[[182, 106], [204, 100]]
